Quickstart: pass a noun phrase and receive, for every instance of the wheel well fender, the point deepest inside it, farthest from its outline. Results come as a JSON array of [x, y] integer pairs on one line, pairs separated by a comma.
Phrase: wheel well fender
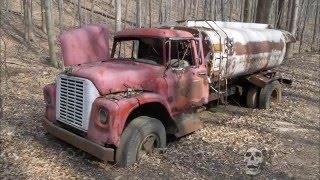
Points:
[[155, 110]]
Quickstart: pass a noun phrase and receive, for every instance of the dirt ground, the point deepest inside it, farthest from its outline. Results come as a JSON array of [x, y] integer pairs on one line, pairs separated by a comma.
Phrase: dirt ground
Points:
[[288, 132]]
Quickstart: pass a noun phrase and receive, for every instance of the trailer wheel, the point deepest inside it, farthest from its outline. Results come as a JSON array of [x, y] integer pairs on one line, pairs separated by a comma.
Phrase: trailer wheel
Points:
[[270, 94], [139, 138], [252, 99]]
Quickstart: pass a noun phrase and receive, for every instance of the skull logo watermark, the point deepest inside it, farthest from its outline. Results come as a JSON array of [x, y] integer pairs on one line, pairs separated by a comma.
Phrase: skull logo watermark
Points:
[[253, 159]]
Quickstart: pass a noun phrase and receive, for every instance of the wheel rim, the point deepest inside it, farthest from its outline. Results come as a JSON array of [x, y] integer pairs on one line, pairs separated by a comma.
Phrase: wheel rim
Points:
[[147, 146]]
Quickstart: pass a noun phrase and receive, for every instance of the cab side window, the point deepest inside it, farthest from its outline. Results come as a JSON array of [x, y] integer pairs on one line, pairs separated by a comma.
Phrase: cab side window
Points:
[[181, 53]]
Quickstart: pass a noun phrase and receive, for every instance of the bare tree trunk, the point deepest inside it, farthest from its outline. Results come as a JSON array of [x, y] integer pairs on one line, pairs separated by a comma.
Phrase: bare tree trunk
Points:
[[21, 6], [160, 12], [294, 17], [263, 11], [222, 10], [168, 10], [75, 12], [1, 19], [289, 13], [126, 13], [184, 9], [92, 11], [51, 34], [231, 9], [293, 25], [209, 9], [205, 10], [1, 71], [28, 20], [247, 11], [304, 24], [196, 10], [150, 13], [79, 13], [60, 10], [165, 11], [315, 28], [254, 10], [43, 17], [138, 11], [280, 13], [215, 10], [241, 10], [275, 11], [118, 15], [190, 8]]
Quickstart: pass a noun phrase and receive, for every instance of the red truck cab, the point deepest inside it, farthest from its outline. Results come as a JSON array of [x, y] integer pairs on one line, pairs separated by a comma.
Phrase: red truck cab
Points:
[[119, 106]]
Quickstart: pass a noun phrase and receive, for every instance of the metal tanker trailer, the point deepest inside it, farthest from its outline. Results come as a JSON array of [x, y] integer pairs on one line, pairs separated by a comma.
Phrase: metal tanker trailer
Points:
[[235, 49]]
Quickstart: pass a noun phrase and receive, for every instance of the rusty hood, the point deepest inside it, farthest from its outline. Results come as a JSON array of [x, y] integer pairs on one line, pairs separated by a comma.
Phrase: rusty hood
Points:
[[85, 45], [118, 75]]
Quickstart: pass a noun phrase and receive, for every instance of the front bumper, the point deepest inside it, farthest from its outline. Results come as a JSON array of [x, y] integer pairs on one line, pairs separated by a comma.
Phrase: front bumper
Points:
[[105, 154]]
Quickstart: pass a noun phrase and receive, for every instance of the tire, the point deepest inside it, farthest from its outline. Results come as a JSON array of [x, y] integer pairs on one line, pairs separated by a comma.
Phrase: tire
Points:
[[272, 92], [252, 99], [134, 136]]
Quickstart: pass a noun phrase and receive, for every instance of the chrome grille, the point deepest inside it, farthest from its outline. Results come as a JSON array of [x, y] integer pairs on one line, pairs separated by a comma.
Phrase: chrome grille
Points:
[[74, 101], [71, 101]]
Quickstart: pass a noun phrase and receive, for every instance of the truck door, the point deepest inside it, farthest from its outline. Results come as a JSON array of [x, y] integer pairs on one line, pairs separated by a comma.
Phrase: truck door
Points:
[[186, 75]]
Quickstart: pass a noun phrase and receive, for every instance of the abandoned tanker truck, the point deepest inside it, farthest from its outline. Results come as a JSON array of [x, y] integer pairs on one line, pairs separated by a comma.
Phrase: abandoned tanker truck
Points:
[[121, 105]]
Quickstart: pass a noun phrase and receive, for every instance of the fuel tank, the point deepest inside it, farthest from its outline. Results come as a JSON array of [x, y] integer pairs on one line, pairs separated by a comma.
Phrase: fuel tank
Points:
[[236, 49]]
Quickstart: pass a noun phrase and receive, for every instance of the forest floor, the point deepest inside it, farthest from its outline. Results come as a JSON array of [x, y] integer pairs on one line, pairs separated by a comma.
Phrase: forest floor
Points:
[[288, 132]]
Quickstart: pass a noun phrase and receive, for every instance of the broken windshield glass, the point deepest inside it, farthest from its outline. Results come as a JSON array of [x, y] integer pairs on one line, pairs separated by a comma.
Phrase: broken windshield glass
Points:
[[145, 50]]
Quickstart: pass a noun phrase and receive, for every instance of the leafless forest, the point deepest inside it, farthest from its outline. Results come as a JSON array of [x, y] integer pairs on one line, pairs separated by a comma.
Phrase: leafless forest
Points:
[[30, 58]]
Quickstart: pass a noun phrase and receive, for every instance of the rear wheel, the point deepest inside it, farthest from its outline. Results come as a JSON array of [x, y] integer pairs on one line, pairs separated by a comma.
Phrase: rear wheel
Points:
[[270, 95], [252, 99], [139, 138]]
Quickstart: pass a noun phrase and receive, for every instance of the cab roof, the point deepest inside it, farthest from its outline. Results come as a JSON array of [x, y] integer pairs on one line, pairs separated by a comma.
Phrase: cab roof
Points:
[[153, 32]]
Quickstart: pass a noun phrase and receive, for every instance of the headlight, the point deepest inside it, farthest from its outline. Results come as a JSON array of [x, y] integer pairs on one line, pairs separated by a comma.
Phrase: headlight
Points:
[[103, 116]]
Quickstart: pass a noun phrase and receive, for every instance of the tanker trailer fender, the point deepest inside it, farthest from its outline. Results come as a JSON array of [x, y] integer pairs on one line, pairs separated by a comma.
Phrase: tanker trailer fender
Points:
[[263, 78]]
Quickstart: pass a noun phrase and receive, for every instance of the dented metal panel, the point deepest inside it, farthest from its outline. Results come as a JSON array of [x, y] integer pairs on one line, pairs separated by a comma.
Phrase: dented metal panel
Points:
[[85, 45]]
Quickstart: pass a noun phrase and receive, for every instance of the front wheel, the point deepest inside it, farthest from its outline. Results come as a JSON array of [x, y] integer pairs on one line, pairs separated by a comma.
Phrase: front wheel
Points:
[[139, 138]]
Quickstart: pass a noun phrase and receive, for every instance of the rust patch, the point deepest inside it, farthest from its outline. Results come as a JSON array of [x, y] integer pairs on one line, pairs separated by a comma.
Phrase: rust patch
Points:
[[257, 47], [217, 47]]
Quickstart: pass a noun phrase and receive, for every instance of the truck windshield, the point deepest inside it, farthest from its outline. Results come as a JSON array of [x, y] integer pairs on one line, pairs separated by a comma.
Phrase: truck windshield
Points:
[[145, 50]]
